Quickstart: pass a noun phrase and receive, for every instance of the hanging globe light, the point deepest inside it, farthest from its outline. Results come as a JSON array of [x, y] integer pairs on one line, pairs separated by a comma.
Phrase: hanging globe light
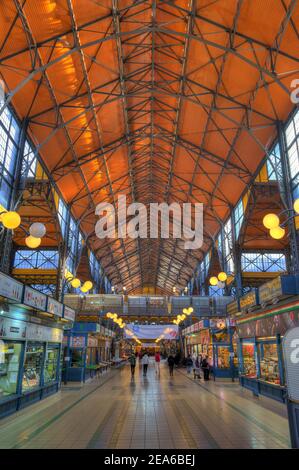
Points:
[[213, 281], [11, 220], [190, 310], [277, 233], [84, 290], [75, 283], [296, 206], [222, 277], [87, 285], [32, 242], [37, 230], [271, 221], [68, 275], [185, 311]]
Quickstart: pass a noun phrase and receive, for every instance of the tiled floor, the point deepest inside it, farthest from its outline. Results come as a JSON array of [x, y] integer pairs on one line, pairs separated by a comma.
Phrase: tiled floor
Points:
[[115, 412]]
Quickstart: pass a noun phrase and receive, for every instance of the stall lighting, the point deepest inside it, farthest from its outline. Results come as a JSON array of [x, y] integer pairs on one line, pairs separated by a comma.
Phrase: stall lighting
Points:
[[296, 206], [37, 230], [213, 281], [271, 221], [222, 277], [32, 242], [87, 285], [114, 317], [11, 220], [75, 283], [277, 233]]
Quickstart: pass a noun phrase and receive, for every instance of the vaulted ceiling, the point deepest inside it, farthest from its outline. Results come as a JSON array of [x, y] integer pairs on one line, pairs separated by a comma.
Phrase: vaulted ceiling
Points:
[[173, 101]]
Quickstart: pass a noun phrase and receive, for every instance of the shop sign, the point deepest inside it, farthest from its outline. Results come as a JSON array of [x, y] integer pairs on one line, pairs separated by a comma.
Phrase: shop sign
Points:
[[204, 324], [232, 308], [78, 341], [290, 344], [69, 313], [219, 323], [280, 286], [10, 288], [248, 301], [269, 326], [43, 333], [12, 329], [204, 336], [35, 299], [156, 301], [55, 307]]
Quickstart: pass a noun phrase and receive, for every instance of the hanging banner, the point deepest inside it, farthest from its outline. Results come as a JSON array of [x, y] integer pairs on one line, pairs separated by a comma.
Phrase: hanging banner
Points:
[[10, 288], [151, 331]]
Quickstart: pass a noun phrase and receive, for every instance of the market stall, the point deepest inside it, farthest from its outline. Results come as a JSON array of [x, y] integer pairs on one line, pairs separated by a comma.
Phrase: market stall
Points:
[[87, 351], [261, 333], [31, 331], [216, 340]]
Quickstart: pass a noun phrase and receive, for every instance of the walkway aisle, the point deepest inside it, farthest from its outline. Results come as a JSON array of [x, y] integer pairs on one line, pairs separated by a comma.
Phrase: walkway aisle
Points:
[[151, 413]]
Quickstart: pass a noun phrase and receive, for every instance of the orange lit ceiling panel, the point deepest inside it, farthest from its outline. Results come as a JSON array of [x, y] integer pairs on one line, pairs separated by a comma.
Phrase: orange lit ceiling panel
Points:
[[159, 100]]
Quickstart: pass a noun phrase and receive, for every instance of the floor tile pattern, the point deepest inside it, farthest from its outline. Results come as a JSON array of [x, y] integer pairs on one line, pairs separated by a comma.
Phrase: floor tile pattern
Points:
[[115, 412]]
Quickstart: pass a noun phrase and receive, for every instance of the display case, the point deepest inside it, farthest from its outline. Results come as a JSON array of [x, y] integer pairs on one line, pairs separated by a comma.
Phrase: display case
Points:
[[223, 357], [249, 368], [34, 357], [269, 363], [51, 363], [10, 354]]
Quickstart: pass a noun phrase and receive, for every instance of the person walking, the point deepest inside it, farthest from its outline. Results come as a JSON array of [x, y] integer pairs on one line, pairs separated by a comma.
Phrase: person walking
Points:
[[132, 361], [145, 363], [189, 363], [171, 363], [206, 368], [157, 362], [196, 370]]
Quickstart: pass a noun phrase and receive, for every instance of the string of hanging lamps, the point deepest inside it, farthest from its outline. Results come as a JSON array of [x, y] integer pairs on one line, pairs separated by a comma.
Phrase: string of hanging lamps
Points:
[[116, 319], [273, 224], [180, 318], [76, 283], [11, 220]]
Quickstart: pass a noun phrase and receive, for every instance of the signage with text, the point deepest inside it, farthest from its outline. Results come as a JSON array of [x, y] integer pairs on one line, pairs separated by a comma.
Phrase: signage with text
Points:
[[35, 299], [10, 288], [54, 307]]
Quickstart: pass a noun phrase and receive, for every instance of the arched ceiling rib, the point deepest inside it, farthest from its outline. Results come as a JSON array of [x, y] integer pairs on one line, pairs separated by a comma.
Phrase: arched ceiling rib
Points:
[[159, 100]]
